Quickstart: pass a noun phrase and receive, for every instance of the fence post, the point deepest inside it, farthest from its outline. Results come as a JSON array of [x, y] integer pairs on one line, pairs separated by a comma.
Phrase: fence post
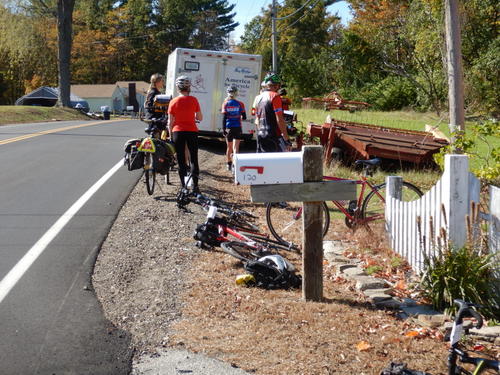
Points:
[[393, 190], [494, 228], [312, 242], [455, 197]]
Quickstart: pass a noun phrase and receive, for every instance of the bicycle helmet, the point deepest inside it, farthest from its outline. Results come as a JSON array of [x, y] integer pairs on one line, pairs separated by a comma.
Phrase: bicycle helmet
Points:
[[272, 79], [278, 262], [232, 90], [183, 83]]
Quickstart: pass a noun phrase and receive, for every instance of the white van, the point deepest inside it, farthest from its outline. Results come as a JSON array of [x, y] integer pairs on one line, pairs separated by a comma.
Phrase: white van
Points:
[[211, 72]]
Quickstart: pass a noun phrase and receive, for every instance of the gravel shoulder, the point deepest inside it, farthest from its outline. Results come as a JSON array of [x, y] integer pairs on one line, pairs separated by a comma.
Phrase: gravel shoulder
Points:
[[176, 299]]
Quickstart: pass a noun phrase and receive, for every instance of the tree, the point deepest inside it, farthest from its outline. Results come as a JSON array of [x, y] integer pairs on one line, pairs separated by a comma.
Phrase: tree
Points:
[[64, 37], [213, 22], [305, 38]]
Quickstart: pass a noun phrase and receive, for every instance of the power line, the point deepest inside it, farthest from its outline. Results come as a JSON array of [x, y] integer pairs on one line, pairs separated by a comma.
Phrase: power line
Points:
[[305, 14], [292, 14]]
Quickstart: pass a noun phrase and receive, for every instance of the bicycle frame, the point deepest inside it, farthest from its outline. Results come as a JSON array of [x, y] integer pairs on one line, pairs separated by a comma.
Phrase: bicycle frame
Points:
[[224, 230], [355, 218], [466, 309]]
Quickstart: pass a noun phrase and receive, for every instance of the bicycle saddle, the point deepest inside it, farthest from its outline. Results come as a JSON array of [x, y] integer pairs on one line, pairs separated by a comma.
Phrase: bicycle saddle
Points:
[[368, 163]]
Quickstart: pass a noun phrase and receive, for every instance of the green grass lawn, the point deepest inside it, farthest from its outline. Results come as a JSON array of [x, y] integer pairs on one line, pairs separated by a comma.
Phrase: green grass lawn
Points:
[[398, 119], [408, 120], [13, 114]]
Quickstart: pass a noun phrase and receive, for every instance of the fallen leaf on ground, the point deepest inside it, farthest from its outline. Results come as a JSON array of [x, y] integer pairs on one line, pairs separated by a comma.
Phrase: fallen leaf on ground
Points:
[[363, 346], [411, 334]]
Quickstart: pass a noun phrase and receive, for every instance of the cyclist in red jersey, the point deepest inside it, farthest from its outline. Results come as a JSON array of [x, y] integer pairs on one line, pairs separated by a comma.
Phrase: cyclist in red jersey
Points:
[[271, 134], [183, 112]]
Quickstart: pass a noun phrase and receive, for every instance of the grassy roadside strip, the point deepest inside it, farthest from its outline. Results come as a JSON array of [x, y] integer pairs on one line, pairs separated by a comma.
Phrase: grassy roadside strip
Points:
[[11, 114]]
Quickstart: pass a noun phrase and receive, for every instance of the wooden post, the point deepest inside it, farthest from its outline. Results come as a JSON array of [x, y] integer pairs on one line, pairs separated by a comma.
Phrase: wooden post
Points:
[[455, 72], [455, 196], [494, 230], [394, 185], [312, 242]]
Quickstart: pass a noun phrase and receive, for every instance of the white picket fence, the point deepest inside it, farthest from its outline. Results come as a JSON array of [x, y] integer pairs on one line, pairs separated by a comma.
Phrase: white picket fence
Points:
[[423, 226]]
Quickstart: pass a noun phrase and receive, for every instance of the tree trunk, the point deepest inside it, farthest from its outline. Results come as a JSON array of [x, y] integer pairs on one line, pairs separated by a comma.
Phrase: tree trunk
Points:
[[64, 36]]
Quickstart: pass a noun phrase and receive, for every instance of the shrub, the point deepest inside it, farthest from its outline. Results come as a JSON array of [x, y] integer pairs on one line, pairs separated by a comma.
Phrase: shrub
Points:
[[465, 273]]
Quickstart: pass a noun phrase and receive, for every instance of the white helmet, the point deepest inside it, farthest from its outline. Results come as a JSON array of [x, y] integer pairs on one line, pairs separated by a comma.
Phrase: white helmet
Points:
[[232, 90], [279, 262], [183, 83]]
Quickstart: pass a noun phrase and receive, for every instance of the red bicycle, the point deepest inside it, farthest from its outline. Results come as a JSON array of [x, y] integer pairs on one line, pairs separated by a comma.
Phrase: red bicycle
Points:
[[284, 218], [239, 241]]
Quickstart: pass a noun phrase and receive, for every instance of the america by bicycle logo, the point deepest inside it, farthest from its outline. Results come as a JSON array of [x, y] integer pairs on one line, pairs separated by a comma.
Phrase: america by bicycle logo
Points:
[[242, 69]]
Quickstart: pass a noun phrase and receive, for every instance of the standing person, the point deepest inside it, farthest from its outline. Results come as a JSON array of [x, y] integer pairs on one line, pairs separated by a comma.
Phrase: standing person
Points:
[[286, 101], [184, 111], [256, 100], [233, 111], [271, 134], [157, 83]]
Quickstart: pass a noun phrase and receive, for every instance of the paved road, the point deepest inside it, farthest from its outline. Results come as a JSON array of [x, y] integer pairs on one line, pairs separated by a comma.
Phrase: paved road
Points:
[[50, 321]]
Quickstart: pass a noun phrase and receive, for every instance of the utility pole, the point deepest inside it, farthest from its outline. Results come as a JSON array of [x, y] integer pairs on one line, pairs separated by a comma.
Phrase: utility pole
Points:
[[274, 14], [455, 72]]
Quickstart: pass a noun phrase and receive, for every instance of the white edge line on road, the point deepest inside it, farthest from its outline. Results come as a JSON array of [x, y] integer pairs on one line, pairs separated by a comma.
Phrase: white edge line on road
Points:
[[15, 274]]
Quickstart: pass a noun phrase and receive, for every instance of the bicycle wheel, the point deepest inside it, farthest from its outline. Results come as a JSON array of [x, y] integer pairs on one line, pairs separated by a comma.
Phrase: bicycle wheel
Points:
[[284, 220], [242, 250], [150, 174], [373, 207]]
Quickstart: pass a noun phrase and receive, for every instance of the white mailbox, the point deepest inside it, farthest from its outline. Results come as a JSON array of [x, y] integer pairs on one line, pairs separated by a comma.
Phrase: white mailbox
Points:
[[268, 168]]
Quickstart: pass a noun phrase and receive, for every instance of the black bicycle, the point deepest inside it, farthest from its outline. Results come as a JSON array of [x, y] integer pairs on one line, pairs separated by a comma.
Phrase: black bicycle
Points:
[[159, 156], [457, 356], [235, 216]]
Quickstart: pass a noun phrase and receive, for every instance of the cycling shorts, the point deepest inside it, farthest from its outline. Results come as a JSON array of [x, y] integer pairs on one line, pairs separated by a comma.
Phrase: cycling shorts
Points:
[[234, 133]]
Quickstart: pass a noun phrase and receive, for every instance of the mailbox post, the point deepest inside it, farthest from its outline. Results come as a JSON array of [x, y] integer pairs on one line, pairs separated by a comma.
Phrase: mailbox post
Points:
[[296, 177], [312, 224]]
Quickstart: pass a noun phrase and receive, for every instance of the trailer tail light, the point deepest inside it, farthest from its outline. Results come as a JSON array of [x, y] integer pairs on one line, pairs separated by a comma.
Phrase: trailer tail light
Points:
[[252, 58]]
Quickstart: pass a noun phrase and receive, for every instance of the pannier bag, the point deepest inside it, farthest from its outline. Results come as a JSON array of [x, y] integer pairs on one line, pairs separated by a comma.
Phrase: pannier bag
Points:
[[133, 158], [207, 233], [164, 152]]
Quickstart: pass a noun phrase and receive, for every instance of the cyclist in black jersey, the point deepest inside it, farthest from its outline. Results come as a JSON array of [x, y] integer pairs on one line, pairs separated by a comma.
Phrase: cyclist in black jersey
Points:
[[271, 129]]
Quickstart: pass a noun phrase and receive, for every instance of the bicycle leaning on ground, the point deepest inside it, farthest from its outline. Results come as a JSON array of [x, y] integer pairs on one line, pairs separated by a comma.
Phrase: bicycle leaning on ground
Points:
[[284, 218], [456, 356], [239, 242]]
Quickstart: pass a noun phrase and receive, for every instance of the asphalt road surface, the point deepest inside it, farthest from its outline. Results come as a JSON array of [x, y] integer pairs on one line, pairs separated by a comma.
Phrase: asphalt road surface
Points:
[[60, 191]]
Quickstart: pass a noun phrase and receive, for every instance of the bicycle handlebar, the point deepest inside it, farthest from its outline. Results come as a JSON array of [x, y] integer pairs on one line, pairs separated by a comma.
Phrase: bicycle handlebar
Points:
[[466, 309]]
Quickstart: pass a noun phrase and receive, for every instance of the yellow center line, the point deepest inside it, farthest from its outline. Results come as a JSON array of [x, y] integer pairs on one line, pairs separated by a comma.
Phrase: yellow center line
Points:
[[44, 132]]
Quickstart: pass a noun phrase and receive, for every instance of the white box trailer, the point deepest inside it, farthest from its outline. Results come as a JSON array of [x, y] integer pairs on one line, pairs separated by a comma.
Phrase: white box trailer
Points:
[[211, 72]]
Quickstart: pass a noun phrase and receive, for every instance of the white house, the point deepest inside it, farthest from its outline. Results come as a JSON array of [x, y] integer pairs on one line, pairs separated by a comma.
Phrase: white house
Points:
[[141, 90], [115, 96], [101, 95]]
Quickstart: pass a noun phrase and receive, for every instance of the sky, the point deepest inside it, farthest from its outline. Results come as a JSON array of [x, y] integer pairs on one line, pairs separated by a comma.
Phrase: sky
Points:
[[247, 9]]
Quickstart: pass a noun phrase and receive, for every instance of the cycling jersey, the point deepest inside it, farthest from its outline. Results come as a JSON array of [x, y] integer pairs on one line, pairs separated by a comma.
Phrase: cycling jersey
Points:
[[184, 108], [268, 104], [233, 110], [148, 104]]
